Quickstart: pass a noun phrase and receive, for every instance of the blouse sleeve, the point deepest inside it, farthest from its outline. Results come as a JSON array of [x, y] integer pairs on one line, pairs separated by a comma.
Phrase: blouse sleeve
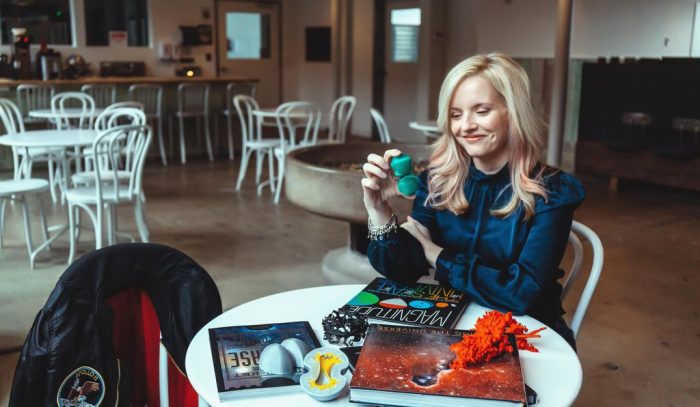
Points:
[[400, 256], [517, 286]]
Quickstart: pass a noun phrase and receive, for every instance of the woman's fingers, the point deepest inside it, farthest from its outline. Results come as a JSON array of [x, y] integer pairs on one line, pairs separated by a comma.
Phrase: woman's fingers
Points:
[[371, 184], [371, 169], [378, 161], [388, 154]]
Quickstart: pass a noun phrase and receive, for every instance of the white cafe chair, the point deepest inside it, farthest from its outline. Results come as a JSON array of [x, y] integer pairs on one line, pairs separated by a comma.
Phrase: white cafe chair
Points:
[[339, 119], [100, 198], [229, 111], [151, 97], [104, 94], [193, 102], [253, 141], [291, 117], [34, 97], [581, 233], [384, 135], [21, 188], [24, 158]]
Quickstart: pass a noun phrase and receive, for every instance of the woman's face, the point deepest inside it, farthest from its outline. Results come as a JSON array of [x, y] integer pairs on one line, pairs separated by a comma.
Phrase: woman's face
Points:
[[479, 121]]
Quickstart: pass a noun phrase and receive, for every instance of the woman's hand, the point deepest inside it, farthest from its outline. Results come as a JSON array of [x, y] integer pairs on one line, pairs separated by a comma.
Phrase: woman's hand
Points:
[[422, 234], [379, 185]]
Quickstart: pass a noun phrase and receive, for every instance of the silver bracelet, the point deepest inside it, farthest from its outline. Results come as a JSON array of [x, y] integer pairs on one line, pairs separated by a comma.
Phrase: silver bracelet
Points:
[[380, 232]]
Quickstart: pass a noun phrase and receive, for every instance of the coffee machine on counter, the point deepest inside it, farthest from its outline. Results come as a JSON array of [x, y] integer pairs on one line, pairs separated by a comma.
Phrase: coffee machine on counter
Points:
[[21, 60]]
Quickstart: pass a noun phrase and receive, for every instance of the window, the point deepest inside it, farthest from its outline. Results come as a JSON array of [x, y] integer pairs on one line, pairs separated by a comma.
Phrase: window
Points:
[[45, 20], [103, 16], [405, 26], [247, 35]]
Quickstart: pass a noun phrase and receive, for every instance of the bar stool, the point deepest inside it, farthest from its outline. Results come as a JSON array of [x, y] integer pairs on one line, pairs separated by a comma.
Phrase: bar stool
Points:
[[33, 97], [104, 94], [193, 102], [229, 111], [151, 97]]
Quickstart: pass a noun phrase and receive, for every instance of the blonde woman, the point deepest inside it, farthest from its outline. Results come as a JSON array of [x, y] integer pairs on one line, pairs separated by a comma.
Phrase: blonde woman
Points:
[[488, 215]]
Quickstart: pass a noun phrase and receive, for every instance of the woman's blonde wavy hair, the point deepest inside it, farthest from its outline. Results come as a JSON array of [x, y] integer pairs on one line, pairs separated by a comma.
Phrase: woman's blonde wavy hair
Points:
[[449, 162]]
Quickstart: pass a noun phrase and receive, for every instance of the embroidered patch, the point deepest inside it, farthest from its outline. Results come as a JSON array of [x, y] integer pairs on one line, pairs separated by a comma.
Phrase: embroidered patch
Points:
[[84, 387]]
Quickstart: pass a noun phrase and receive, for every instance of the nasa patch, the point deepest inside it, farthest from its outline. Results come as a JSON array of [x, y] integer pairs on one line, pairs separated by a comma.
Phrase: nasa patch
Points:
[[84, 387]]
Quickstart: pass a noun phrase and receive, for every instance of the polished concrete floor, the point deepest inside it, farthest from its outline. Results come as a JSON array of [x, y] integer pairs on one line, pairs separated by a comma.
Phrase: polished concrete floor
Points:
[[638, 344]]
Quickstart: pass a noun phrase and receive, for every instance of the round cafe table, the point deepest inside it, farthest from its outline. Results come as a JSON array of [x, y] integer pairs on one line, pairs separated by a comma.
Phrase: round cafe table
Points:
[[554, 372], [69, 113]]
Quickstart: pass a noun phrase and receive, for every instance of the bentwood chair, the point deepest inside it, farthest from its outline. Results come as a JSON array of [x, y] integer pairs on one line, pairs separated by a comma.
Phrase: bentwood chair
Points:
[[110, 189], [339, 120], [229, 111], [24, 158], [291, 117], [581, 233], [151, 97], [104, 94], [384, 135], [34, 97], [253, 141], [193, 103]]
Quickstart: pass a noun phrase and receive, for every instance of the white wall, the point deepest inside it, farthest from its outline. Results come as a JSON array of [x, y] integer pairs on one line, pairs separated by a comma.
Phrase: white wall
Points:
[[639, 28]]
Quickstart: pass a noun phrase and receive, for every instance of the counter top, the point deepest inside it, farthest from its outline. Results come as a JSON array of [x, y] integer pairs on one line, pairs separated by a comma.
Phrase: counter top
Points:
[[125, 80]]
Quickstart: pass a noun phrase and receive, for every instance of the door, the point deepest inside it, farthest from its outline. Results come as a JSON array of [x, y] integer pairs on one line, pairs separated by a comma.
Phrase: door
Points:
[[248, 45], [402, 28]]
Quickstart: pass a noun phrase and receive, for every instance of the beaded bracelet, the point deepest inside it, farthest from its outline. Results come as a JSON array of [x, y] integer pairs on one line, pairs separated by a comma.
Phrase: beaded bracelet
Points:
[[380, 232]]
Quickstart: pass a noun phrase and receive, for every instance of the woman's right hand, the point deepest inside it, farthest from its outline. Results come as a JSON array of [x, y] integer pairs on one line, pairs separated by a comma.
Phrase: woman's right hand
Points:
[[379, 185]]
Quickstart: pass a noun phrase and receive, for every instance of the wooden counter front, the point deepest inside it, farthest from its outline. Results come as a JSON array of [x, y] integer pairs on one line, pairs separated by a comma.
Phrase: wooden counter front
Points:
[[126, 80]]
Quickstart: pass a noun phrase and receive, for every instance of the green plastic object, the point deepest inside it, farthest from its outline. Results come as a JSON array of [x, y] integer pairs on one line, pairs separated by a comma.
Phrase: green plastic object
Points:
[[402, 166]]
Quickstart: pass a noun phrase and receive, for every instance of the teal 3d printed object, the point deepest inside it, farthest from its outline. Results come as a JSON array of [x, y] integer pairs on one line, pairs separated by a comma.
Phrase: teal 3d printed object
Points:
[[402, 166]]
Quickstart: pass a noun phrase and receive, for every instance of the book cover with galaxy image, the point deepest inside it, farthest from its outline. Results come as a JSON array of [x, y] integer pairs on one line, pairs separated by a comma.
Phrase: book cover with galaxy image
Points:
[[428, 305], [236, 352], [410, 366]]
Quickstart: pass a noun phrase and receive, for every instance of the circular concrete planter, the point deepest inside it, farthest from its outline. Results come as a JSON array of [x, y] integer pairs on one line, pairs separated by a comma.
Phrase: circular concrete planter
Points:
[[314, 182]]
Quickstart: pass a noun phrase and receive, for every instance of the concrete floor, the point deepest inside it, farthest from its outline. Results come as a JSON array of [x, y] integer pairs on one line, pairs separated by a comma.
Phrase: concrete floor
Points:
[[638, 344]]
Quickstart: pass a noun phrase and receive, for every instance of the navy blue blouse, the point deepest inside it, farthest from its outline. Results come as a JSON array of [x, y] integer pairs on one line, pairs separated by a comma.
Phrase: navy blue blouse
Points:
[[507, 263]]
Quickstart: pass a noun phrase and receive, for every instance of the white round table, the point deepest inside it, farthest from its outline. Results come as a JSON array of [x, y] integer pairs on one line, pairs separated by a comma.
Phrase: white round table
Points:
[[554, 372], [68, 113], [428, 127], [50, 138]]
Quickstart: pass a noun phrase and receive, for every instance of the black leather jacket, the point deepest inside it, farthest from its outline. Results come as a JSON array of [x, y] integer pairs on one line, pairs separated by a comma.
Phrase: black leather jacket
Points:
[[69, 347]]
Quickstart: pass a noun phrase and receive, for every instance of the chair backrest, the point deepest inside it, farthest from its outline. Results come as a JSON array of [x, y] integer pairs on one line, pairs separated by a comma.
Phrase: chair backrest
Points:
[[111, 144], [292, 116], [150, 96], [384, 135], [193, 98], [32, 97], [84, 104], [251, 130], [341, 113], [238, 88], [11, 119], [104, 94], [580, 232], [120, 114]]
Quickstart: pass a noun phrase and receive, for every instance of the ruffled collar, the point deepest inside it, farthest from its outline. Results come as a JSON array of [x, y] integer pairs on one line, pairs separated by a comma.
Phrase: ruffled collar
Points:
[[482, 178]]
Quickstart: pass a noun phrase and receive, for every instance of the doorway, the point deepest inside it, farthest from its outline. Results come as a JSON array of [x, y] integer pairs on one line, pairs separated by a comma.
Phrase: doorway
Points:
[[402, 20], [249, 46]]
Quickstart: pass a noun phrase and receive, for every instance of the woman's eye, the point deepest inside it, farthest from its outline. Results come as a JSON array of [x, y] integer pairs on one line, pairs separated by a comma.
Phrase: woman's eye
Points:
[[483, 112]]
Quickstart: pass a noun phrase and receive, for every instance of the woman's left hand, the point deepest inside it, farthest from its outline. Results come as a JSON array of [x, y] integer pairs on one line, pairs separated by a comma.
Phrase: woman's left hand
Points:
[[422, 234]]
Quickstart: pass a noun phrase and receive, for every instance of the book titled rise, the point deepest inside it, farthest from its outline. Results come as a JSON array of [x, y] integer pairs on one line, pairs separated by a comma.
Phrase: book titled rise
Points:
[[387, 301], [236, 354], [410, 366]]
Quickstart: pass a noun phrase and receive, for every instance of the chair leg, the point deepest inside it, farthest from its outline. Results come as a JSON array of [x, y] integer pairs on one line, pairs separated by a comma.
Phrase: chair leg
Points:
[[52, 186], [207, 135], [183, 153], [110, 224], [71, 232], [271, 168], [245, 157], [27, 231], [98, 226], [229, 133], [259, 157], [280, 178], [44, 227], [140, 220], [161, 144], [2, 220]]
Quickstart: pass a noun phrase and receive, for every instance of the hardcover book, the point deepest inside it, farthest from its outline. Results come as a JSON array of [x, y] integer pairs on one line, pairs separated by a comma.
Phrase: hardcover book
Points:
[[410, 366], [236, 352], [386, 301]]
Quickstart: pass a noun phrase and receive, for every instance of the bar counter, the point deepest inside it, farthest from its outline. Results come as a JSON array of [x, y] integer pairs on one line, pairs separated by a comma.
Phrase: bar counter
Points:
[[126, 80]]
